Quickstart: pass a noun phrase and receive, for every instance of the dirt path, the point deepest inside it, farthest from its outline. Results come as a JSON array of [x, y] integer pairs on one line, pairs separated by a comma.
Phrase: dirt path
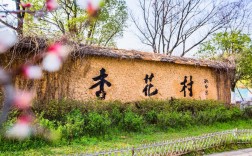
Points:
[[244, 152]]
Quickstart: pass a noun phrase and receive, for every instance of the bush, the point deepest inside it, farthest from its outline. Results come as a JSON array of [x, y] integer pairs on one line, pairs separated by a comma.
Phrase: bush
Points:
[[194, 106], [73, 125], [174, 120], [97, 124], [116, 116], [151, 117], [132, 121], [146, 106], [49, 124], [101, 116], [205, 117], [218, 114], [55, 110], [248, 112]]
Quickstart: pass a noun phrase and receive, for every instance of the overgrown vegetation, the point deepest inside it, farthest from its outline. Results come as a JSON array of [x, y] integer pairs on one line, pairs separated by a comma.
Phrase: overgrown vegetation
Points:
[[99, 118], [234, 46], [78, 122]]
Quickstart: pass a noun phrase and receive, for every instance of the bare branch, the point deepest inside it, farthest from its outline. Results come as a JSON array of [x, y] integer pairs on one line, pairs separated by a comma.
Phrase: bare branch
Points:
[[168, 25], [8, 25]]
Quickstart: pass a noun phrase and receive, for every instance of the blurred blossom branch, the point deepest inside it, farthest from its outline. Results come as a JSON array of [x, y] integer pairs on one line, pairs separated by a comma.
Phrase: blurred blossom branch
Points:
[[49, 60], [8, 89], [17, 11]]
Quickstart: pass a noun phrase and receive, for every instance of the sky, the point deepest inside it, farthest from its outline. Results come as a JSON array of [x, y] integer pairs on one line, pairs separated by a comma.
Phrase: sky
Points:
[[129, 40]]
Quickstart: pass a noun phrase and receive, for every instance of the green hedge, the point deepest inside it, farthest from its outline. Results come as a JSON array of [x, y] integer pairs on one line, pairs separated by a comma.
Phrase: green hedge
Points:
[[74, 119]]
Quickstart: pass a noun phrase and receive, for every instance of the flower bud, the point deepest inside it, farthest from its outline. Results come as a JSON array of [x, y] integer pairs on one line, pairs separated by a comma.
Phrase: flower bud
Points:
[[23, 99], [32, 72], [51, 5], [52, 62], [22, 129], [26, 5], [91, 6], [7, 39]]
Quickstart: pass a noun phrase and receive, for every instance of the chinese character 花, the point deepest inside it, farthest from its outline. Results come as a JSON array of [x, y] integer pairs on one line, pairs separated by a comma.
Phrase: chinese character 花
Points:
[[148, 86]]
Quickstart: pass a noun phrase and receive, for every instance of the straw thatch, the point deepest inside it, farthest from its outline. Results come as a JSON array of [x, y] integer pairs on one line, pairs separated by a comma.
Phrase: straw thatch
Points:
[[34, 45]]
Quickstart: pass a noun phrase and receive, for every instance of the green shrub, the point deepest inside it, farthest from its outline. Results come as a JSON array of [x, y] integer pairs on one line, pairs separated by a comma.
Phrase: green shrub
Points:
[[194, 106], [133, 116], [73, 125], [218, 114], [151, 117], [146, 106], [55, 110], [17, 146], [97, 124], [222, 114], [116, 116], [205, 117], [174, 120], [248, 112], [49, 124], [132, 121], [236, 113]]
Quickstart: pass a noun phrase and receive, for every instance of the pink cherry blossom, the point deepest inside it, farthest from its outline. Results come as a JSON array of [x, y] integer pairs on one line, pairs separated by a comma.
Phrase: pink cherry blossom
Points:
[[51, 5], [7, 39], [26, 5], [25, 119], [59, 49], [32, 72], [52, 62], [56, 54], [23, 99], [91, 10], [22, 129], [91, 6]]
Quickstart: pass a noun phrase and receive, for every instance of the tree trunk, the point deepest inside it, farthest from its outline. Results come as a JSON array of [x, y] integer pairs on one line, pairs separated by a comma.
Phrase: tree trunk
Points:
[[20, 17]]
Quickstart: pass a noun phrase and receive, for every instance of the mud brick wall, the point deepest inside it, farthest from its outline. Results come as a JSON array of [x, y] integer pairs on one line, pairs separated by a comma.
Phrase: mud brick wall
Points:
[[108, 78]]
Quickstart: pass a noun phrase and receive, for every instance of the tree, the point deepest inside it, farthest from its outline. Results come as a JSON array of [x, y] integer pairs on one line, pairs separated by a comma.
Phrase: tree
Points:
[[169, 26], [110, 23], [20, 17], [234, 46], [70, 20]]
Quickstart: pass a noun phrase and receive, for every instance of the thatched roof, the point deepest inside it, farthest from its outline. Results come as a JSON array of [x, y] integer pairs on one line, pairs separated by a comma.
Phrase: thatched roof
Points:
[[133, 54], [36, 44]]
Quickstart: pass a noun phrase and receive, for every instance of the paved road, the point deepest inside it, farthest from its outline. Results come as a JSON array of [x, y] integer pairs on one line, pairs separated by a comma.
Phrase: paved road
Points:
[[244, 152]]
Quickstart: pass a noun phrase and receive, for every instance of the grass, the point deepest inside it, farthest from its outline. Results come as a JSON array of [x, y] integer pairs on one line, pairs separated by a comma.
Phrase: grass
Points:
[[116, 139]]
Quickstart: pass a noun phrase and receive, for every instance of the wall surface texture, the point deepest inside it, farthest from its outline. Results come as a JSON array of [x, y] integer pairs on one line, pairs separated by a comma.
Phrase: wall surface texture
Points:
[[127, 80], [133, 80]]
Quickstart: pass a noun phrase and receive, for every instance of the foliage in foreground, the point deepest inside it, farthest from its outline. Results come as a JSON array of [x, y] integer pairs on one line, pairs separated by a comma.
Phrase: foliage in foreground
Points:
[[78, 122], [119, 140], [99, 118]]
